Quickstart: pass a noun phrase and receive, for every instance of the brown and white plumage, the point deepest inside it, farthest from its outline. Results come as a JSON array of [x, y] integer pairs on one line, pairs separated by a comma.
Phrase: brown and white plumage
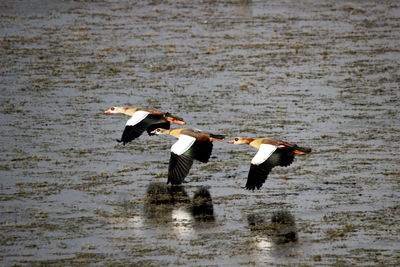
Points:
[[270, 153], [143, 119], [191, 145]]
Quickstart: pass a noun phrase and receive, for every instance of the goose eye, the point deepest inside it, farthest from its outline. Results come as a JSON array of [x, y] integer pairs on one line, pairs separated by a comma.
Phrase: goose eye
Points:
[[112, 108], [236, 139]]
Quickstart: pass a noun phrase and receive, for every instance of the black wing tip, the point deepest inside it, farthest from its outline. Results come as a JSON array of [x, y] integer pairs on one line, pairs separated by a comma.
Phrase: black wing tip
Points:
[[253, 187], [258, 174], [173, 181], [132, 132]]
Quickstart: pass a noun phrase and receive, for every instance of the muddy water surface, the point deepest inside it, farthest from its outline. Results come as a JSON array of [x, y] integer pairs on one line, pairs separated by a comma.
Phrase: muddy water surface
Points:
[[323, 74]]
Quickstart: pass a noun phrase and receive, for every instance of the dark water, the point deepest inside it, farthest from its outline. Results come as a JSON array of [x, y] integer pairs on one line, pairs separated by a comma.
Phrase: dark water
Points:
[[323, 74]]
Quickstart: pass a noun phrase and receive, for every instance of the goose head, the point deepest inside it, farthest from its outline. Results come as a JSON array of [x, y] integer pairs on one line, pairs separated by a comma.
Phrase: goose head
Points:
[[240, 140], [115, 110], [160, 131]]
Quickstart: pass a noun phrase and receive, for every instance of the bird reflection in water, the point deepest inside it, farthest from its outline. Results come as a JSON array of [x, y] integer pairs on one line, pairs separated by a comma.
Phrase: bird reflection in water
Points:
[[284, 227], [171, 204], [160, 200], [161, 193], [280, 230], [202, 206]]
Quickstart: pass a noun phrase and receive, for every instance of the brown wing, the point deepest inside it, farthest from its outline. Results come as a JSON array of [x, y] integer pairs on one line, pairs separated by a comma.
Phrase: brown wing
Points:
[[199, 135], [277, 143], [151, 111], [202, 135]]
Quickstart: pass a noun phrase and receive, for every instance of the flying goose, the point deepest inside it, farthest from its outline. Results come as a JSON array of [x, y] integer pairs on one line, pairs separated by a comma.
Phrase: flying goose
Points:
[[143, 119], [191, 145], [270, 153]]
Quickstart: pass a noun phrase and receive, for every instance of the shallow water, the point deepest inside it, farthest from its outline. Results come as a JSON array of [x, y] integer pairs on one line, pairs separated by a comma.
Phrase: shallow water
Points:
[[322, 74]]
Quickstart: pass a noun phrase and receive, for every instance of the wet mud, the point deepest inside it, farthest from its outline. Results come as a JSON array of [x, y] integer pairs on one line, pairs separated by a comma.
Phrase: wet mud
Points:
[[322, 74]]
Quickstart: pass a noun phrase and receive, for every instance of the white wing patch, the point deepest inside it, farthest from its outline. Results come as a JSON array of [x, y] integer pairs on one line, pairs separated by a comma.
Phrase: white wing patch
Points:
[[137, 117], [183, 144], [263, 154]]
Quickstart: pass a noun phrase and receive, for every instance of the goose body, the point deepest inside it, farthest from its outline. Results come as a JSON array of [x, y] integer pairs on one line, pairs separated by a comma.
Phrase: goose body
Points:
[[270, 153], [191, 145], [143, 119]]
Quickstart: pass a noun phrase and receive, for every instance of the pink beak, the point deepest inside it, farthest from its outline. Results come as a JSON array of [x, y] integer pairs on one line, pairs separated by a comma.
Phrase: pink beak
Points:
[[231, 142], [107, 111]]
